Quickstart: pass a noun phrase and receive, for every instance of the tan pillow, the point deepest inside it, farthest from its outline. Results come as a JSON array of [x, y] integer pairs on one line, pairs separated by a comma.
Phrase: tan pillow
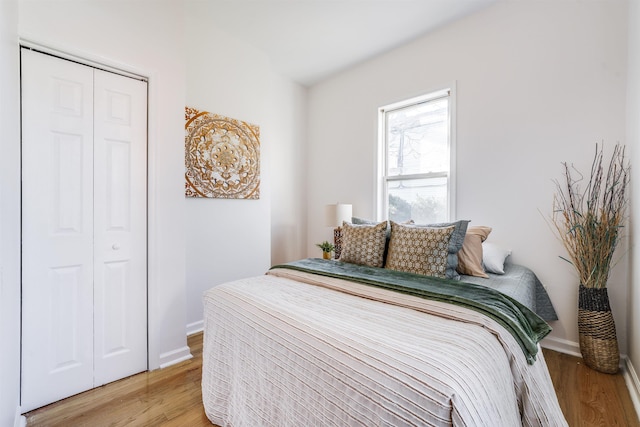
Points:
[[420, 250], [470, 256], [364, 244]]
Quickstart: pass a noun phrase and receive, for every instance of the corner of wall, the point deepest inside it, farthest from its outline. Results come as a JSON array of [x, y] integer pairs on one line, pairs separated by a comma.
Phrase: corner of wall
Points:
[[19, 420], [9, 213], [633, 141]]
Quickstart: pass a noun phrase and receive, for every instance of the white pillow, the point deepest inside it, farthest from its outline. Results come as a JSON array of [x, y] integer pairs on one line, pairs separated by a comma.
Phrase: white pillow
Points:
[[493, 257]]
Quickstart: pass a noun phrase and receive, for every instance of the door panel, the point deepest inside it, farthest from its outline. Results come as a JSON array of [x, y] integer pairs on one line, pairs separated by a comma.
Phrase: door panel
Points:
[[120, 230], [116, 279], [118, 179], [68, 197], [66, 283], [57, 224]]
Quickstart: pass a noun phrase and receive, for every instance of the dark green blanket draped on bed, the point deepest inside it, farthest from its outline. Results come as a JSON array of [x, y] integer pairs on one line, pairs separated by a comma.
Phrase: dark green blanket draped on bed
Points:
[[526, 326]]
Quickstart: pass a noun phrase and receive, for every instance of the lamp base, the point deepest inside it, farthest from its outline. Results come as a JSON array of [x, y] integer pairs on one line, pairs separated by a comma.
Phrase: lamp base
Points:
[[337, 241]]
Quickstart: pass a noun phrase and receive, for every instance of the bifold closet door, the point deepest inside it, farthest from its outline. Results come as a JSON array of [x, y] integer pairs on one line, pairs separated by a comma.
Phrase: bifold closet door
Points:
[[120, 227], [84, 279], [57, 229]]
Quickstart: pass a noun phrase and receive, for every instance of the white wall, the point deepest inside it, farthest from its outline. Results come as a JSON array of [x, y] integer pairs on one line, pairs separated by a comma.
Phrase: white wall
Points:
[[288, 171], [147, 37], [232, 239], [538, 83], [9, 212], [633, 138]]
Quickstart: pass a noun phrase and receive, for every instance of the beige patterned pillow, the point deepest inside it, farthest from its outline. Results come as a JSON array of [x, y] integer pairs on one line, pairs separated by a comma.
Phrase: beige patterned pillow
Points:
[[364, 244], [420, 250]]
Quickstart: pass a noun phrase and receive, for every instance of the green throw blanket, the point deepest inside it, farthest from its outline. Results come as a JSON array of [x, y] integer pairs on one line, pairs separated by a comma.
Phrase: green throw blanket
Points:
[[526, 326]]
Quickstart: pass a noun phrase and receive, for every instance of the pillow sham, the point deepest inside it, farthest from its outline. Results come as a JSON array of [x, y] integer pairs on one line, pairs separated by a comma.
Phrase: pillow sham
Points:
[[356, 220], [470, 256], [455, 244], [493, 257], [364, 244], [420, 250]]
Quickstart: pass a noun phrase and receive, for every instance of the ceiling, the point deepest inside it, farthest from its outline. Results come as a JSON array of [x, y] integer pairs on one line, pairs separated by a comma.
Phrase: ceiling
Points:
[[309, 40]]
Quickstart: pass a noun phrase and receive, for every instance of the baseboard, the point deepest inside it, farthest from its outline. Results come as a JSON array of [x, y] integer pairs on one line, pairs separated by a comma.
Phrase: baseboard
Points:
[[181, 354], [195, 327], [572, 348], [562, 346], [175, 356], [633, 384]]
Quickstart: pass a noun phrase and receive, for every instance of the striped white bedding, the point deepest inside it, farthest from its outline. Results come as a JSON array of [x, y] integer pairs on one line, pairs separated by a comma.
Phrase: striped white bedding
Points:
[[296, 349]]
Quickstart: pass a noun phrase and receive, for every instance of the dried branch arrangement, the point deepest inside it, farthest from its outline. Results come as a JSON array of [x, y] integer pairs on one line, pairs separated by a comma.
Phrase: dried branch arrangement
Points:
[[588, 221]]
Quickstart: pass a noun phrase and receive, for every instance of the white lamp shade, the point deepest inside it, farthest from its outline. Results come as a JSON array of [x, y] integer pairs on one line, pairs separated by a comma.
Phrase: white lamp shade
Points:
[[337, 213], [343, 213]]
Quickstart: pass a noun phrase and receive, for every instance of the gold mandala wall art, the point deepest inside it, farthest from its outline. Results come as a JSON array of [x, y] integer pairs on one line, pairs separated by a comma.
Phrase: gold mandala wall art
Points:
[[222, 156]]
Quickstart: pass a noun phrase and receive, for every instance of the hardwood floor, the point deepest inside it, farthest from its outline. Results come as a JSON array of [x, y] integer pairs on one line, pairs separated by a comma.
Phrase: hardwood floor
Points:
[[588, 397], [165, 397], [172, 397]]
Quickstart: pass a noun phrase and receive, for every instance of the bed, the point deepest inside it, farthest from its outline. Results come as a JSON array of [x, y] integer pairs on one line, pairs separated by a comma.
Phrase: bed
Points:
[[332, 343], [521, 284]]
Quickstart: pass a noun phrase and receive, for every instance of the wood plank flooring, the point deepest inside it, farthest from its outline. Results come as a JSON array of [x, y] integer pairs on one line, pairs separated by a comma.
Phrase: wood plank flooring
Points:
[[164, 397], [588, 397], [172, 397]]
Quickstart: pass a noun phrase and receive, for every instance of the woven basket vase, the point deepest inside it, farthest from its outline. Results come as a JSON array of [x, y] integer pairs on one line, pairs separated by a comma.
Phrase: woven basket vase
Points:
[[597, 330]]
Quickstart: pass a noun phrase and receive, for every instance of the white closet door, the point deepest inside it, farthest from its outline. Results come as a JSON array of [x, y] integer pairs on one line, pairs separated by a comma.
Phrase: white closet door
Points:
[[84, 262], [57, 229], [120, 215]]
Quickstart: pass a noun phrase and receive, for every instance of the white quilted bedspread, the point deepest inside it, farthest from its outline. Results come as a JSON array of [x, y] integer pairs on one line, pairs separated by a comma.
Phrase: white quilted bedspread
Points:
[[282, 352]]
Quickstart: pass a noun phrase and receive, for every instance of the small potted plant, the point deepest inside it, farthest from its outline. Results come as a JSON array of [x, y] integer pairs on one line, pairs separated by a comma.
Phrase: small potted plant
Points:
[[327, 248]]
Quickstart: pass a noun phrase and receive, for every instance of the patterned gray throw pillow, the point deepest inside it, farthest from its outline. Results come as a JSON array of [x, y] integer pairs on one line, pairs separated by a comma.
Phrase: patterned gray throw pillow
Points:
[[419, 250], [364, 244]]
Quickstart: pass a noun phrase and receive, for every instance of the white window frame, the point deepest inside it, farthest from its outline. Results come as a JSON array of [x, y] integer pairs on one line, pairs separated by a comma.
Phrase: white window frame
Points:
[[381, 197]]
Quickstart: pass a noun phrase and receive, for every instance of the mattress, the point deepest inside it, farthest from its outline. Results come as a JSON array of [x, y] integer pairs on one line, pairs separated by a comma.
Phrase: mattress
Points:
[[293, 348]]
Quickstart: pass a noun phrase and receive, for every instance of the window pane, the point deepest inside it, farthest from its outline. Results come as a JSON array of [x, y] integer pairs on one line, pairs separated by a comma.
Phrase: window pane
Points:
[[422, 200], [417, 138]]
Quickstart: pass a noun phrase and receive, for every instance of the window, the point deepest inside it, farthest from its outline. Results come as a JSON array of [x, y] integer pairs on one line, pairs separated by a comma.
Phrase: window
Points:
[[416, 158]]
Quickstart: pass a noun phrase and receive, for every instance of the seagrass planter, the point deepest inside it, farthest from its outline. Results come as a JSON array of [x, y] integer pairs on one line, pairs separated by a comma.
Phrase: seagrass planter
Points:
[[597, 330]]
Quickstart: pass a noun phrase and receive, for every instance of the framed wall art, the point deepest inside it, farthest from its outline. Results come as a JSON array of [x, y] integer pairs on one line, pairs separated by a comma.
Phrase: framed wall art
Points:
[[222, 156]]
